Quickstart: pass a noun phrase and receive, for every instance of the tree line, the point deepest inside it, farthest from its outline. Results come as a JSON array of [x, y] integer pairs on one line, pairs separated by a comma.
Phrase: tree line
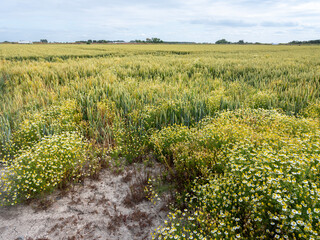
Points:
[[158, 40]]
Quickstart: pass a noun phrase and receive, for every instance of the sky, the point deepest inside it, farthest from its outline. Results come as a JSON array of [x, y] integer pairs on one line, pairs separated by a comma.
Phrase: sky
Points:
[[268, 21]]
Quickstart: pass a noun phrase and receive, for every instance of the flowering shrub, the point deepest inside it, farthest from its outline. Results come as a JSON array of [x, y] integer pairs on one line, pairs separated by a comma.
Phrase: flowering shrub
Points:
[[269, 187], [52, 161], [163, 141], [54, 120], [130, 142], [45, 151], [313, 110], [263, 100]]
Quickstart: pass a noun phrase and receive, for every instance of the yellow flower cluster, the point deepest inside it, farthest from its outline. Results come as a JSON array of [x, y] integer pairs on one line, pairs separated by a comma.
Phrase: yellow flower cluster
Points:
[[52, 161], [268, 186], [151, 193], [45, 151], [54, 120]]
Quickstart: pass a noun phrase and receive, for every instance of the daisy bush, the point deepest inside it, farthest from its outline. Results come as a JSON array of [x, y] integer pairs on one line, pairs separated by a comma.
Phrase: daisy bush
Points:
[[313, 110], [268, 186], [47, 150], [54, 160], [53, 120]]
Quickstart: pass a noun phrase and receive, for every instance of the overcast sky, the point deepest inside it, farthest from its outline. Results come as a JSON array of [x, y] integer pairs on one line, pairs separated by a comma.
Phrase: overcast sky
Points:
[[171, 20]]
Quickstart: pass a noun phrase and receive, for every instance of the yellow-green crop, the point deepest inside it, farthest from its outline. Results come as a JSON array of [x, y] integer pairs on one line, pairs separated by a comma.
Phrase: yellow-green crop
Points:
[[237, 127]]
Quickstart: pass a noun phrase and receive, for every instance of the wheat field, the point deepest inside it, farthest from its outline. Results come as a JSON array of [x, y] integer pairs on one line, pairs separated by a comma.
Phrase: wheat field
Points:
[[236, 127]]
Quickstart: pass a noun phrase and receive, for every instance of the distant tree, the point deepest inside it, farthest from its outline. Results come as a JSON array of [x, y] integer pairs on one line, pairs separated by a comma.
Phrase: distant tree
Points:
[[43, 40], [154, 40], [314, 42], [89, 41], [137, 41], [148, 40], [222, 41], [241, 42], [305, 42], [295, 42]]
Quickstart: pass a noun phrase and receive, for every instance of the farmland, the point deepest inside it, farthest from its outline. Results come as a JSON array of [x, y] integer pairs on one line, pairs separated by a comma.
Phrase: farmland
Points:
[[235, 126]]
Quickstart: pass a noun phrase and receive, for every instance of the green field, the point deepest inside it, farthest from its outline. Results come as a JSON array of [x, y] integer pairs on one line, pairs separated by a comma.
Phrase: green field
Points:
[[236, 126]]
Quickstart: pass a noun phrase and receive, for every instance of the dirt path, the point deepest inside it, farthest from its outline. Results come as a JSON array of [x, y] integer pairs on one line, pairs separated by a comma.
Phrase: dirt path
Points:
[[112, 207]]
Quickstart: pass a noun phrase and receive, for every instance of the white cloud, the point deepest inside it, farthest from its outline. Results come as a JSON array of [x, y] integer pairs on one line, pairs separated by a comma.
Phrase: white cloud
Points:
[[183, 20]]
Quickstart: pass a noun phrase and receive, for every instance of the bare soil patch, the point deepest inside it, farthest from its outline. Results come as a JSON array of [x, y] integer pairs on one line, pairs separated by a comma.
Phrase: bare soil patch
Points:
[[111, 207]]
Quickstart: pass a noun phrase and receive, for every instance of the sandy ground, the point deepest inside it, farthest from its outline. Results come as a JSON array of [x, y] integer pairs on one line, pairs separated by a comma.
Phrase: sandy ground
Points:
[[110, 207]]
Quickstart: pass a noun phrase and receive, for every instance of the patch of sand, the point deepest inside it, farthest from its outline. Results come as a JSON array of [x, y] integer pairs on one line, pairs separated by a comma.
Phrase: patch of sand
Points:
[[110, 208]]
